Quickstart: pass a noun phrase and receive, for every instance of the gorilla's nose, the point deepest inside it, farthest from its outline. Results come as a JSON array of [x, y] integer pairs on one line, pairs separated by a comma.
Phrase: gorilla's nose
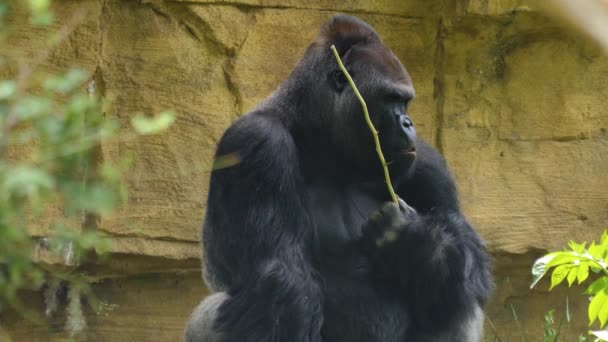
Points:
[[405, 121], [408, 132]]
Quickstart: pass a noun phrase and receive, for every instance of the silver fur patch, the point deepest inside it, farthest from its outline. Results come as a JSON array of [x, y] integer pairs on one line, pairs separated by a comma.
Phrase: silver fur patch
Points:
[[200, 325]]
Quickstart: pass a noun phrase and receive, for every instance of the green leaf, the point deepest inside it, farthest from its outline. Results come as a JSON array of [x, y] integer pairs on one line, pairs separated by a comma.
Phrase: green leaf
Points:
[[601, 334], [80, 103], [43, 18], [3, 12], [597, 303], [542, 265], [572, 275], [597, 251], [604, 238], [594, 308], [597, 286], [66, 83], [562, 258], [539, 269], [577, 247], [559, 274], [39, 5], [50, 129], [582, 272], [604, 244], [95, 198], [146, 126], [26, 180], [603, 314], [33, 107], [7, 89], [99, 199]]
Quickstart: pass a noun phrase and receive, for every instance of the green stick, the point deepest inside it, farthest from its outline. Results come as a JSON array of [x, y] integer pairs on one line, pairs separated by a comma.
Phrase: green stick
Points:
[[387, 176]]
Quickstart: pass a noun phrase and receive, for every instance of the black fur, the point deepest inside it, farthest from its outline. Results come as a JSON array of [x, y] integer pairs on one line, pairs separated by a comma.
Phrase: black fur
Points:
[[289, 232]]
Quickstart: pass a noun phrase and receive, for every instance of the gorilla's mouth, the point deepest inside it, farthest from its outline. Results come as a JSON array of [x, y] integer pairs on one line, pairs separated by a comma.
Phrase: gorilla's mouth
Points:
[[410, 151]]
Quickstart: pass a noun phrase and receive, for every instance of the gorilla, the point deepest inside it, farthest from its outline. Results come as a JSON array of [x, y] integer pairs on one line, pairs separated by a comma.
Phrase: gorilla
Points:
[[301, 242]]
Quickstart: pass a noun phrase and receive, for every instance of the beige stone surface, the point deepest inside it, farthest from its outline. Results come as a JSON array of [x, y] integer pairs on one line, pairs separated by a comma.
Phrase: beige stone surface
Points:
[[497, 7], [409, 8], [523, 196], [524, 130], [153, 61], [79, 48], [173, 250], [151, 307]]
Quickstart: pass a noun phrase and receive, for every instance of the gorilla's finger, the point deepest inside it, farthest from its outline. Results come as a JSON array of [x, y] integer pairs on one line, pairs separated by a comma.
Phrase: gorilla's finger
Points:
[[405, 208]]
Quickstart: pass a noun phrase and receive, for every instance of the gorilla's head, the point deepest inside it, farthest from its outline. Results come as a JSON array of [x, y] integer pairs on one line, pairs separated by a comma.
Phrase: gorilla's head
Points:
[[383, 82]]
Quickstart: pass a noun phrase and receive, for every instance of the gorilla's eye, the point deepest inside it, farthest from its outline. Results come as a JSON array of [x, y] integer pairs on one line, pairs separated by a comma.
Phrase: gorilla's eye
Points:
[[338, 79]]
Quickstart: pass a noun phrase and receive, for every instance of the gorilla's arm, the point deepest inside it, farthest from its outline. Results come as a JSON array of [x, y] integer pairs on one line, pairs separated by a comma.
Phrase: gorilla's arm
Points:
[[254, 238], [431, 258]]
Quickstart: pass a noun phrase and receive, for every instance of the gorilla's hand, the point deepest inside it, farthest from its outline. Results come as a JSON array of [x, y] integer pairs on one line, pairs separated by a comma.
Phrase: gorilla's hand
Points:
[[425, 259], [386, 224]]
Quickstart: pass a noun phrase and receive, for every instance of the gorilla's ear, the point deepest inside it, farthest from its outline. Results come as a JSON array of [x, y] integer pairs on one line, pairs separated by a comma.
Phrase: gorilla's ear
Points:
[[344, 31]]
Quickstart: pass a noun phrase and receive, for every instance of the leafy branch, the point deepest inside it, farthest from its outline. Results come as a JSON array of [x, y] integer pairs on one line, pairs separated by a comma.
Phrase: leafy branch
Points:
[[575, 265]]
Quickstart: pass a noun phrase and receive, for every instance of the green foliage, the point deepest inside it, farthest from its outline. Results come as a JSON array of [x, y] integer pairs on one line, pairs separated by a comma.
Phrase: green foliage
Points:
[[574, 265], [551, 333], [556, 334], [41, 15], [52, 166], [146, 126]]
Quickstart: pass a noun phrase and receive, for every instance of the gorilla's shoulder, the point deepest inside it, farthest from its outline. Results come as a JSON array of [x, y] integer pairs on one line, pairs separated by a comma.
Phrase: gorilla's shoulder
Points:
[[253, 129], [260, 140]]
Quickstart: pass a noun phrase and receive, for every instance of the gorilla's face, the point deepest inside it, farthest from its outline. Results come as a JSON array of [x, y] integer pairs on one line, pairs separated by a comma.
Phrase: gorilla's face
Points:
[[387, 89]]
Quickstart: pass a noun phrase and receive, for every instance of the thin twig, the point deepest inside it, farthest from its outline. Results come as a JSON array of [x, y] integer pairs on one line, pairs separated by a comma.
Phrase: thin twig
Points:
[[521, 328], [493, 327], [387, 176]]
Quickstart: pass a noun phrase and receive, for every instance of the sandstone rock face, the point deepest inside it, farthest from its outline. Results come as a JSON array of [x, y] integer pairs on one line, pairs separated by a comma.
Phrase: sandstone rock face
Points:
[[531, 111], [515, 102]]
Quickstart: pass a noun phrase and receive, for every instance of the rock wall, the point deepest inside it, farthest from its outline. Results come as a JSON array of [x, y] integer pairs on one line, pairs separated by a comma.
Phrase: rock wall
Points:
[[514, 101]]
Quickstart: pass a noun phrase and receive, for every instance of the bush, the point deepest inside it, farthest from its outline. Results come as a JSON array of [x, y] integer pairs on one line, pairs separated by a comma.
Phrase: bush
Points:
[[575, 266], [51, 131]]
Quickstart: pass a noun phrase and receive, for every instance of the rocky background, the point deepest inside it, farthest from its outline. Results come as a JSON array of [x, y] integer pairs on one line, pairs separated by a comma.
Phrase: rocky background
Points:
[[515, 102]]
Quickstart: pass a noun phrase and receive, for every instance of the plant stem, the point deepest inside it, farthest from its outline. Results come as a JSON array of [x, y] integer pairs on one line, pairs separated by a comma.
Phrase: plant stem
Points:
[[371, 127]]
